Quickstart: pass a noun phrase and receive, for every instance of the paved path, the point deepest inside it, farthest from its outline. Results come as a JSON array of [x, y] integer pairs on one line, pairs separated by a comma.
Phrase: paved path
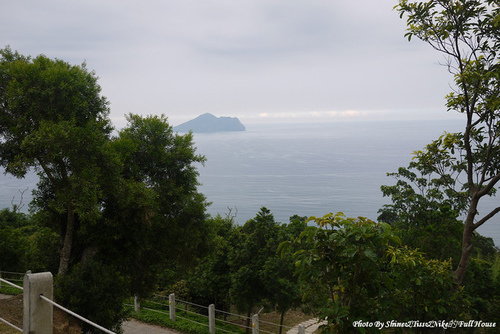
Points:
[[310, 325], [137, 327]]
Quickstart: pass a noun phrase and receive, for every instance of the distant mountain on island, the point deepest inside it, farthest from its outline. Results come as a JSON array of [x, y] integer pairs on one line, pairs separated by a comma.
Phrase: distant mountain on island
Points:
[[210, 123]]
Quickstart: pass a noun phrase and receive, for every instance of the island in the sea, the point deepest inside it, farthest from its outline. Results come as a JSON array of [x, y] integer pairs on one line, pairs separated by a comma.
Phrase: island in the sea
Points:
[[210, 123]]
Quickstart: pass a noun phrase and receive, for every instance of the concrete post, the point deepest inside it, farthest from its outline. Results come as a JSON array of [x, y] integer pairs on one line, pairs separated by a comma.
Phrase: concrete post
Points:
[[302, 329], [38, 314], [137, 304], [211, 318], [255, 324], [171, 308]]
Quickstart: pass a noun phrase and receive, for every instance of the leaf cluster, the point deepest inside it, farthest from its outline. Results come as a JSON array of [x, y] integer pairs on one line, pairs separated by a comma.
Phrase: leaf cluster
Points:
[[354, 268]]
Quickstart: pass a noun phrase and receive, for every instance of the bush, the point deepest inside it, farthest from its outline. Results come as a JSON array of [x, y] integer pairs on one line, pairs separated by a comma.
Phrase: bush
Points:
[[95, 291]]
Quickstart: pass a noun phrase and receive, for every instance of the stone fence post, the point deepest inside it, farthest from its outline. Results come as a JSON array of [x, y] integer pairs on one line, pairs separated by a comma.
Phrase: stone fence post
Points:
[[171, 307], [38, 314], [211, 319], [255, 324]]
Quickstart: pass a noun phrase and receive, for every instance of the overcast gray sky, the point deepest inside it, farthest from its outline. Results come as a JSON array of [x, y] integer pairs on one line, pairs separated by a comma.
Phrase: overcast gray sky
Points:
[[259, 60]]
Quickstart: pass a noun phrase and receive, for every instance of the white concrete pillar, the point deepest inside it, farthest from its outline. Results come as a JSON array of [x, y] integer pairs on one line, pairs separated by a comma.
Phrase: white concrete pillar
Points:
[[38, 314], [211, 318], [137, 304], [171, 308], [255, 324]]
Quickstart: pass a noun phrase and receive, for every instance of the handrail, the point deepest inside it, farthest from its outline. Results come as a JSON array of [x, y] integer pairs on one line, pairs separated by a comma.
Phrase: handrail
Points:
[[274, 324], [11, 272], [15, 286], [76, 315], [231, 323], [189, 303], [11, 325], [234, 314]]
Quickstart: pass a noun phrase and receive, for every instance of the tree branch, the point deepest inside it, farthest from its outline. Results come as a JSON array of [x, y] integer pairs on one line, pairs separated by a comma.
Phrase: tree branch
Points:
[[486, 218]]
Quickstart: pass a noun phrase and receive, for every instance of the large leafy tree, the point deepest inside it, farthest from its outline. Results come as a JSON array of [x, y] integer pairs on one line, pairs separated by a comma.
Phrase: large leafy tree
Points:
[[466, 32], [278, 272], [254, 243], [210, 281], [159, 201], [53, 119], [122, 206]]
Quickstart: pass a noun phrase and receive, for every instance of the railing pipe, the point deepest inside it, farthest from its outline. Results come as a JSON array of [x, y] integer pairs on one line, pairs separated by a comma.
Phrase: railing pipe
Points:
[[9, 283], [11, 325], [76, 315]]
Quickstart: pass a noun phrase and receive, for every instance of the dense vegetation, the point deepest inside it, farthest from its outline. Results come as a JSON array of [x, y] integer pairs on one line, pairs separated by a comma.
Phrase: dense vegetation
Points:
[[118, 214]]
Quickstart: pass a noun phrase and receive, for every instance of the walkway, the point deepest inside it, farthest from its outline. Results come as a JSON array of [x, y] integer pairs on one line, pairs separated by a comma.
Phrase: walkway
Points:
[[310, 325]]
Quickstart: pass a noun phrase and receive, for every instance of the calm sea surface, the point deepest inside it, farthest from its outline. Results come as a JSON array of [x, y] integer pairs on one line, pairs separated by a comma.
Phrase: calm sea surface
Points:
[[304, 169], [313, 169]]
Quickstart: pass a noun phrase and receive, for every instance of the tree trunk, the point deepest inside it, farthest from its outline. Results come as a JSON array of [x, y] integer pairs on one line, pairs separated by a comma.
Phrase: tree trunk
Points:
[[282, 319], [466, 243], [249, 322], [67, 243]]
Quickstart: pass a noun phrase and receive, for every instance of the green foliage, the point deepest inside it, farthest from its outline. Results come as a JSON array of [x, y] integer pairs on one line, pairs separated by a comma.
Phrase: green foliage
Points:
[[13, 246], [255, 242], [466, 164], [210, 281], [482, 288], [354, 269], [12, 218], [422, 288], [95, 290], [161, 214], [278, 271], [126, 205], [423, 215]]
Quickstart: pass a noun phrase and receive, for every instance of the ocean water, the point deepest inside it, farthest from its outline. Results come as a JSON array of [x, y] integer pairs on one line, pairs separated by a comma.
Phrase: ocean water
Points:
[[313, 169], [304, 169]]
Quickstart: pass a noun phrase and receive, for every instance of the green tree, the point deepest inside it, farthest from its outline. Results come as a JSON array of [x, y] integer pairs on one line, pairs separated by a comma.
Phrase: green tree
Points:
[[152, 217], [278, 271], [53, 119], [422, 215], [354, 270], [162, 205], [125, 205], [466, 33], [254, 243], [210, 281]]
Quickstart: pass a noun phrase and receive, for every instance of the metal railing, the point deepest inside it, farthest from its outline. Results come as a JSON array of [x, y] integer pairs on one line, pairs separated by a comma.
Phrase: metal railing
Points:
[[10, 324], [36, 319], [195, 313], [15, 286], [76, 315]]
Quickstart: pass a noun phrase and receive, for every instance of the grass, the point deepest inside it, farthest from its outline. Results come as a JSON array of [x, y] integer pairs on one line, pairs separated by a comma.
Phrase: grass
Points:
[[9, 290], [158, 314], [188, 323]]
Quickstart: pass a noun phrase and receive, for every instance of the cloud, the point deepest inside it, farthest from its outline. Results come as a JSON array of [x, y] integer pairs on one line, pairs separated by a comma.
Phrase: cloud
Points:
[[248, 57]]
